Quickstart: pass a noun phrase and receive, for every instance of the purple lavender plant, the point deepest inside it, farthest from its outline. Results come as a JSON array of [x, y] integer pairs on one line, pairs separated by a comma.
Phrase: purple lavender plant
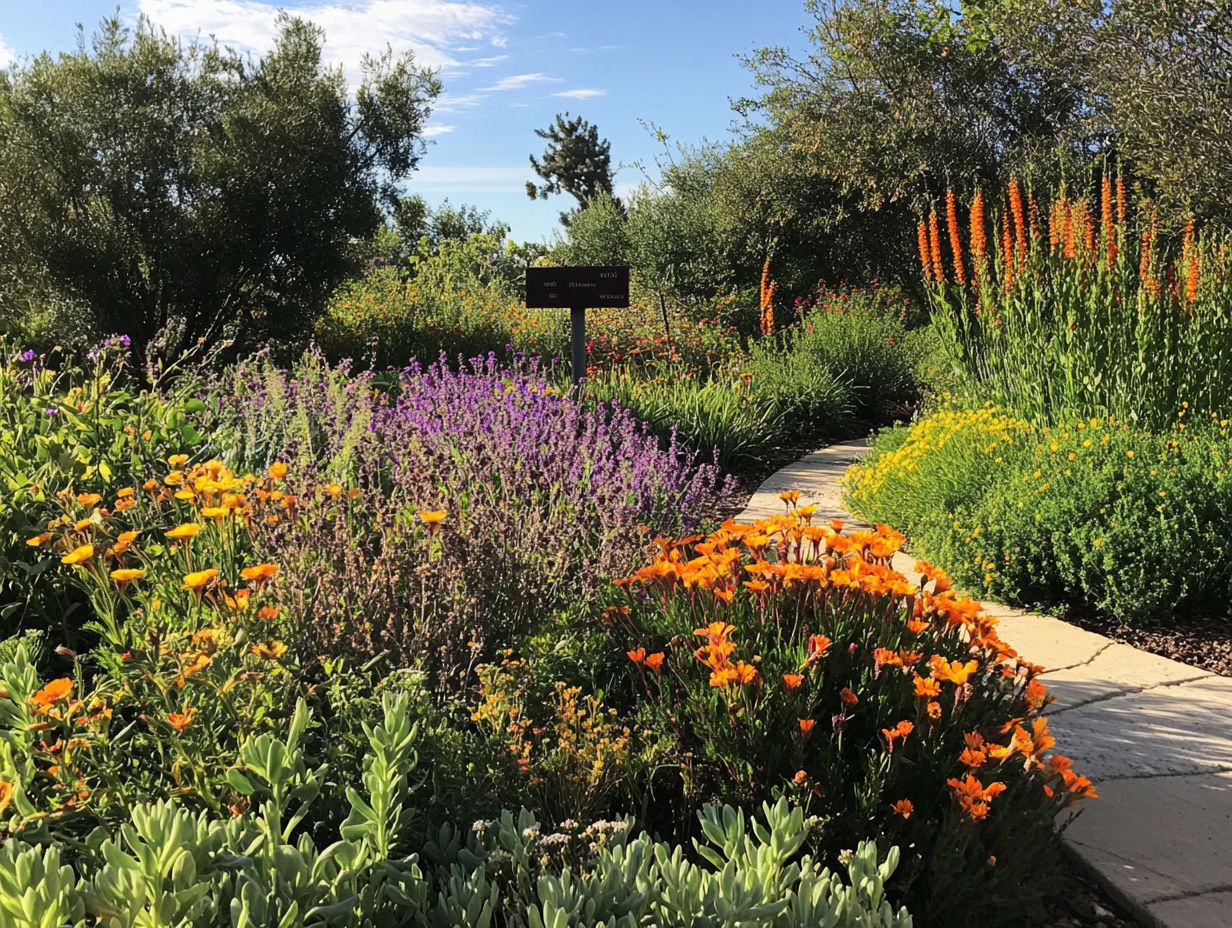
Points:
[[545, 501]]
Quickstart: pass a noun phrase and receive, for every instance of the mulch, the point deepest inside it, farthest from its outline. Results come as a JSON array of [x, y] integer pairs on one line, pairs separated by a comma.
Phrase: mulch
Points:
[[1082, 903], [1199, 642]]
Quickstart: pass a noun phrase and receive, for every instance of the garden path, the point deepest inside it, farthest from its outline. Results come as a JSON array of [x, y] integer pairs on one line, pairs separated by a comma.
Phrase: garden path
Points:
[[1154, 734]]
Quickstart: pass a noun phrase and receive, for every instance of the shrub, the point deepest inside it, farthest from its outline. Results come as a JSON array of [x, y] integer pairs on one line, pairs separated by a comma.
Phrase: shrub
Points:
[[1091, 314], [81, 427], [256, 868], [787, 656], [718, 416], [492, 505], [1093, 514]]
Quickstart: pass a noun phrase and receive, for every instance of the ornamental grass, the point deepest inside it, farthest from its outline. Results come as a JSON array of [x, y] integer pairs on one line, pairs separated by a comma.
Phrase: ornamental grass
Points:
[[785, 656], [1083, 306]]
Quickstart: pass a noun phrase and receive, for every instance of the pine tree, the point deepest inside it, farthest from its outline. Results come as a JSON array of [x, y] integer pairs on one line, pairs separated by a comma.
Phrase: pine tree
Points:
[[576, 162]]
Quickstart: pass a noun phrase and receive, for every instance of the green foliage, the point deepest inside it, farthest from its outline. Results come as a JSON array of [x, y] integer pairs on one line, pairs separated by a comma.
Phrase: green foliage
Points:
[[87, 428], [575, 162], [256, 869], [717, 415], [1080, 323], [1086, 515], [174, 190]]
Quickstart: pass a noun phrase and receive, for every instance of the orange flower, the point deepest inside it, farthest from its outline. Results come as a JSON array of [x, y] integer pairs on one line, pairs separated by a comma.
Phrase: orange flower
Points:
[[955, 672], [973, 797], [790, 497], [715, 631], [793, 681], [756, 586], [926, 687], [745, 673], [904, 808], [89, 500], [655, 661], [925, 264], [979, 237], [972, 758], [181, 720], [1036, 694], [126, 576], [817, 645], [177, 460], [54, 692], [277, 470], [915, 626], [78, 555], [39, 540], [260, 573], [1020, 227], [198, 580], [898, 733], [269, 613], [934, 710], [934, 247], [184, 532], [848, 697], [6, 794], [432, 518], [951, 217], [196, 665], [806, 725], [269, 650], [637, 656]]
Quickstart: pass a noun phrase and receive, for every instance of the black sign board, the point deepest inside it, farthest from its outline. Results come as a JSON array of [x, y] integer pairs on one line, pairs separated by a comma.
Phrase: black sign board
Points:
[[580, 287]]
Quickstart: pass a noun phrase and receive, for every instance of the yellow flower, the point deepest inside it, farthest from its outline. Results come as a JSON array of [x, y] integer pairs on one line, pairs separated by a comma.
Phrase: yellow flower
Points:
[[184, 532], [177, 460], [215, 512], [199, 579], [78, 555], [432, 518], [269, 650], [126, 575], [38, 540], [277, 470]]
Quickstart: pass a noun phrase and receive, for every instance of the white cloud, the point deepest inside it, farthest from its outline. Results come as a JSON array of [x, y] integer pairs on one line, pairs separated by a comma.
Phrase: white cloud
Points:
[[430, 131], [581, 93], [469, 178], [487, 62], [453, 102], [6, 53], [433, 29], [518, 81]]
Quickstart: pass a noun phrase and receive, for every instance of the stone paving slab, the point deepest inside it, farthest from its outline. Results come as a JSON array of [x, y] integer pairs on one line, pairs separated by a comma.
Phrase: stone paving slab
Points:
[[1154, 734]]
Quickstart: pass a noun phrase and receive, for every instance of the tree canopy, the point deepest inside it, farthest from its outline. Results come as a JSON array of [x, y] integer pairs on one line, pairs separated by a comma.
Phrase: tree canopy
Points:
[[576, 161], [167, 189]]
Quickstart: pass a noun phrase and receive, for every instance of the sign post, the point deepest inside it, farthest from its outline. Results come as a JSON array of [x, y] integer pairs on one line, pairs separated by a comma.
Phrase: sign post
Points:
[[577, 289]]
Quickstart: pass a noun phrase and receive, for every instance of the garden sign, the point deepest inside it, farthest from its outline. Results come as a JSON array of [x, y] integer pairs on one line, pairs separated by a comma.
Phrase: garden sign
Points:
[[577, 289]]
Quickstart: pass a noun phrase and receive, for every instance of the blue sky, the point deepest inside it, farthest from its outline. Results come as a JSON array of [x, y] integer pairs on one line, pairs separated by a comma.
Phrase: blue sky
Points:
[[508, 68]]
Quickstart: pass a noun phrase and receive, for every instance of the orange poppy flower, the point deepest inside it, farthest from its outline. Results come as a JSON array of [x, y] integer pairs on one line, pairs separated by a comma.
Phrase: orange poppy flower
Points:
[[78, 555], [6, 794], [260, 573], [904, 808], [199, 579], [934, 710], [39, 540], [196, 665], [277, 470], [637, 655], [269, 613], [125, 576], [89, 500], [806, 725], [54, 692], [655, 661], [184, 532], [926, 687], [793, 680], [432, 518], [955, 672], [181, 720], [916, 627]]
